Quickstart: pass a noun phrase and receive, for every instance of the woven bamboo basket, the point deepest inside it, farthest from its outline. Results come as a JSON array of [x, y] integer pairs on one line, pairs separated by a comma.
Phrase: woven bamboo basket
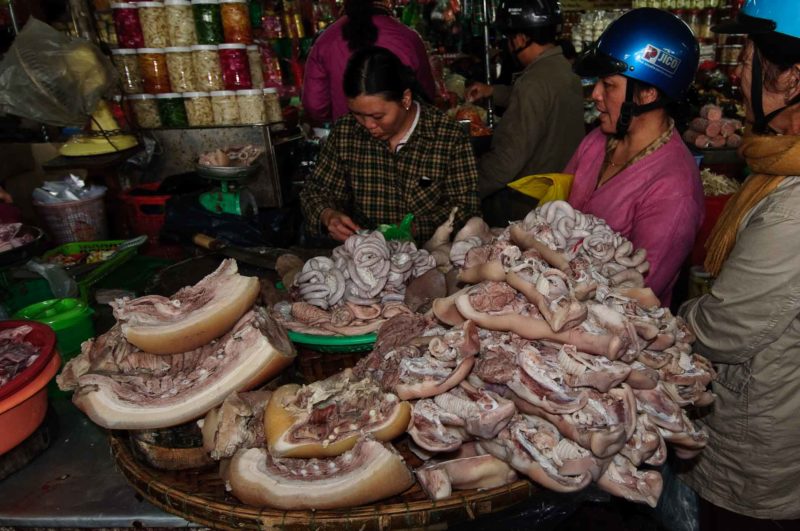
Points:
[[199, 495]]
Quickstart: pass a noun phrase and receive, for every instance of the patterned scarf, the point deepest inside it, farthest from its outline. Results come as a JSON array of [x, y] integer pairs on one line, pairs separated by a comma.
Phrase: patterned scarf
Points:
[[771, 158]]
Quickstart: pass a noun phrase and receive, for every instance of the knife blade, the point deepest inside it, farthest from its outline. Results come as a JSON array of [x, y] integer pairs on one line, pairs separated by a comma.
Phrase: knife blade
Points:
[[265, 258]]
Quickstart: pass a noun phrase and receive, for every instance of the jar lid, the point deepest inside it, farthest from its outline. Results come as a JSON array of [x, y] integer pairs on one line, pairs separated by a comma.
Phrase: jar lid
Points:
[[149, 4], [232, 46], [58, 313], [195, 94], [124, 51], [251, 47], [123, 5], [270, 90], [249, 92], [140, 97], [168, 95], [215, 93], [178, 49], [232, 1], [205, 1], [202, 47], [150, 50], [177, 3]]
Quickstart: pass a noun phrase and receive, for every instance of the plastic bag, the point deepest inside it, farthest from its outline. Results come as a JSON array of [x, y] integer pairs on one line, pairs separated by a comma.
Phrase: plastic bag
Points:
[[61, 284], [401, 231], [51, 78], [545, 187]]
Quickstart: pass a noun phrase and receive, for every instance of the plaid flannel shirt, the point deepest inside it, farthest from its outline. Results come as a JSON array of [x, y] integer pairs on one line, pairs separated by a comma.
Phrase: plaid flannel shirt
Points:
[[359, 175]]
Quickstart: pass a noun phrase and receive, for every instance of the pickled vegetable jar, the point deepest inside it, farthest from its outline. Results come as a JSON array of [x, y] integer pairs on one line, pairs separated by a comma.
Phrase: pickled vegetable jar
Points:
[[145, 110], [251, 106], [171, 110], [207, 21], [207, 70], [127, 63], [126, 23], [154, 24], [224, 107], [235, 66], [181, 71], [180, 22], [272, 106], [153, 66], [235, 21], [198, 109], [254, 60]]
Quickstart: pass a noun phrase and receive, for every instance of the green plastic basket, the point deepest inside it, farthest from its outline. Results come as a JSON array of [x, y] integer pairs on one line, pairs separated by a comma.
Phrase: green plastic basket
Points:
[[103, 268], [334, 344]]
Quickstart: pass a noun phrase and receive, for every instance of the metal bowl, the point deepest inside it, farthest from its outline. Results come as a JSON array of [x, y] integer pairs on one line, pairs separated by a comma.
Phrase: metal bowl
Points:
[[23, 253], [228, 173]]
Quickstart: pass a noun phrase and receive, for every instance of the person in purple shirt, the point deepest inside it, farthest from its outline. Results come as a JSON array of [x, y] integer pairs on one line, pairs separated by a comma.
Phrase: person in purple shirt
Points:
[[634, 171], [365, 23]]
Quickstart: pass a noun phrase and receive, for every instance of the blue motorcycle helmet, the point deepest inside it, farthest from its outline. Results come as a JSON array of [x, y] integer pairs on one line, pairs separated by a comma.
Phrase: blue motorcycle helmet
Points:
[[774, 28], [647, 45]]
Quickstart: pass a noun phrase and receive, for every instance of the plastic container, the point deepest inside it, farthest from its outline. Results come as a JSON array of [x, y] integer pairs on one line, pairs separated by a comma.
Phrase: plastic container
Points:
[[198, 109], [70, 319], [225, 108], [153, 20], [104, 268], [272, 106], [171, 110], [256, 71], [126, 61], [271, 24], [207, 21], [145, 214], [180, 23], [153, 66], [44, 339], [271, 67], [145, 110], [235, 21], [127, 26], [72, 221], [181, 71], [207, 70], [334, 344], [251, 106], [235, 67]]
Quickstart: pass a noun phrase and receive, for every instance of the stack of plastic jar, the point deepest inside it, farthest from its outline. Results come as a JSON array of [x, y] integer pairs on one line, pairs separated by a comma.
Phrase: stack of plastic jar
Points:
[[207, 70], [208, 22], [272, 106], [126, 23], [225, 108], [154, 24], [198, 109], [181, 71], [235, 66], [127, 63], [145, 110], [180, 22], [254, 60], [251, 106], [235, 21], [153, 66], [171, 110]]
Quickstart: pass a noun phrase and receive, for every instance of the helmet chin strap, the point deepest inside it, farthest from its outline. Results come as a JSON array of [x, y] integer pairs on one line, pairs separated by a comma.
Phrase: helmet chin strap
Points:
[[760, 121], [629, 109]]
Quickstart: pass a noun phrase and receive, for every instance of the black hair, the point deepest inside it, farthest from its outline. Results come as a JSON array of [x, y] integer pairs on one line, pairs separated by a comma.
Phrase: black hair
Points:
[[376, 71], [359, 30], [568, 49]]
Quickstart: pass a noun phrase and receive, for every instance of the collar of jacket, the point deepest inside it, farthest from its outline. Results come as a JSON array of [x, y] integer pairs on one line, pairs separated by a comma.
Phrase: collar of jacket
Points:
[[551, 52]]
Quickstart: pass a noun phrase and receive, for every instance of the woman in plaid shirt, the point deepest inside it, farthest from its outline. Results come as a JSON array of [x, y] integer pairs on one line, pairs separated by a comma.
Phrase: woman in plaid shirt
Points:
[[389, 156]]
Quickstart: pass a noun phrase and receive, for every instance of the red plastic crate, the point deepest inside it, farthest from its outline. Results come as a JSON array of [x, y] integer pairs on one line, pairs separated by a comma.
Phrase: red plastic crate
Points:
[[145, 214]]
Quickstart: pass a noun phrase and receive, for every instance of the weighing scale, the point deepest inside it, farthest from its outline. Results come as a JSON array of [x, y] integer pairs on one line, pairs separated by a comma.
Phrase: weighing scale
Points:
[[232, 197]]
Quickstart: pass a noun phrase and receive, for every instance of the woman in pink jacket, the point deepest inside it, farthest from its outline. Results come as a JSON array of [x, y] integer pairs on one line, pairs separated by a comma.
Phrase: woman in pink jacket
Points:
[[634, 171], [366, 23]]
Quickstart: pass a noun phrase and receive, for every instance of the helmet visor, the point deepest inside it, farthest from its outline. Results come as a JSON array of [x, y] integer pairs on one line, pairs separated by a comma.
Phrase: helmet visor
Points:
[[745, 24], [594, 63]]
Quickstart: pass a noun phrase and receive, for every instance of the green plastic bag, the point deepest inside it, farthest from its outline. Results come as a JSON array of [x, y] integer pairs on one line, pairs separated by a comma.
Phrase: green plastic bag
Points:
[[545, 187], [401, 231]]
